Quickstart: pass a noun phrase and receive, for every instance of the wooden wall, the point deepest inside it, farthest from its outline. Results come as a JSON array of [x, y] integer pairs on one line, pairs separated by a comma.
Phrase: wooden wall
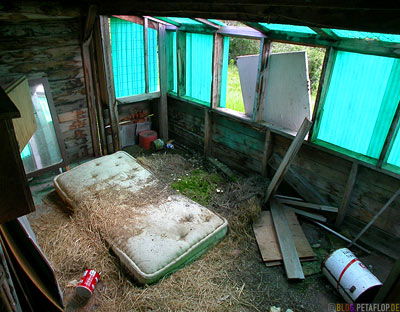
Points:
[[241, 145], [50, 47]]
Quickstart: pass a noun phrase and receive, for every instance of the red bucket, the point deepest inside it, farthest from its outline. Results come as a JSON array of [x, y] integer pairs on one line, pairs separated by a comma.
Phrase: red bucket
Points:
[[146, 137], [87, 283]]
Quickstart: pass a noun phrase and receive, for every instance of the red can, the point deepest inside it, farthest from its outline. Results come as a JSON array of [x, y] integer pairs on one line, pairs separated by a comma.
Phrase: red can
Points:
[[87, 283]]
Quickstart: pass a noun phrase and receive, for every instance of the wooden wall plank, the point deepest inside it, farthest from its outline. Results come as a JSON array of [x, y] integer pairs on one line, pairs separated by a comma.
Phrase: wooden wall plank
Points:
[[181, 61]]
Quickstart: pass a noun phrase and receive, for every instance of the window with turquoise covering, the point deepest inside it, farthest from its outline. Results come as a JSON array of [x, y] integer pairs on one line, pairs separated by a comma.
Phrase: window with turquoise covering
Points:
[[127, 49], [359, 106], [199, 50]]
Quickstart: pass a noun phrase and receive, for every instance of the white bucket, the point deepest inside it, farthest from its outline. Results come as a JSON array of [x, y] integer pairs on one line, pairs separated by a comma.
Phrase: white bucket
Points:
[[350, 276]]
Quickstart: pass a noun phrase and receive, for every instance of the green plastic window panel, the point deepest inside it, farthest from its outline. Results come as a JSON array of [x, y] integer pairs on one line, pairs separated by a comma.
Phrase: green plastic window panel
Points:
[[360, 104], [153, 59], [184, 20], [394, 154], [199, 50], [289, 28], [127, 49], [26, 152], [172, 62], [224, 74], [217, 22], [365, 35]]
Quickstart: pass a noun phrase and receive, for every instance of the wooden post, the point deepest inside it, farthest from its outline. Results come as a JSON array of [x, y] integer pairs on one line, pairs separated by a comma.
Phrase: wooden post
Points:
[[87, 71], [389, 137], [218, 54], [347, 194], [207, 132], [100, 85], [112, 103], [181, 50], [320, 84], [146, 57], [162, 104], [258, 110], [323, 90], [267, 152], [287, 160]]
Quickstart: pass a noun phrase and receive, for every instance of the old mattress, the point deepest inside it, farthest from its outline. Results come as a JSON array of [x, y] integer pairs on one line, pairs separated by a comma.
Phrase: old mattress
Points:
[[155, 229]]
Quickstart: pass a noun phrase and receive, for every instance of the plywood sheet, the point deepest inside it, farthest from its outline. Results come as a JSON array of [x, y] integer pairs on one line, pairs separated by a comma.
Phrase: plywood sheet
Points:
[[247, 65], [268, 242], [25, 126]]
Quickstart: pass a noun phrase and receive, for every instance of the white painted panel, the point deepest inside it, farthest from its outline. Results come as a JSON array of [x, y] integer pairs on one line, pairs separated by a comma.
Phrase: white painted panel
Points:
[[287, 100], [247, 65], [287, 95]]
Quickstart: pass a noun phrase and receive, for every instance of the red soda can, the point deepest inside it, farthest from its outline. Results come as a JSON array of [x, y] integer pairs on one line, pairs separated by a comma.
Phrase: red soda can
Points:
[[87, 283]]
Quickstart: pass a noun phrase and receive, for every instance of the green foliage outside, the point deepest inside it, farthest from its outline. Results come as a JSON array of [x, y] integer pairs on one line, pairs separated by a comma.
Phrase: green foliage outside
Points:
[[234, 99], [199, 185]]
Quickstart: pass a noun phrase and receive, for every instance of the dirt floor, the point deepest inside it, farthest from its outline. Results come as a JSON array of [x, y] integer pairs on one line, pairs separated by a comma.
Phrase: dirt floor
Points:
[[229, 277]]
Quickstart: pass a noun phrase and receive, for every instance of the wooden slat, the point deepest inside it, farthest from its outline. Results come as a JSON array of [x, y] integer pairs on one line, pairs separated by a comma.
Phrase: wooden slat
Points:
[[207, 23], [258, 109], [146, 58], [288, 197], [389, 137], [267, 241], [347, 195], [309, 215], [287, 160], [301, 185], [288, 249], [267, 152], [162, 105], [308, 205], [112, 103]]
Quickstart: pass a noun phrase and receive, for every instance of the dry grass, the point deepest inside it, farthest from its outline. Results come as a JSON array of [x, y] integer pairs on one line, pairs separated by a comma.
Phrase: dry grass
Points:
[[76, 242]]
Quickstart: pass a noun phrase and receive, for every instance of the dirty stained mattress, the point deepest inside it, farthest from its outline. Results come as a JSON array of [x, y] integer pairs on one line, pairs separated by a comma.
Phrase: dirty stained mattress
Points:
[[159, 231]]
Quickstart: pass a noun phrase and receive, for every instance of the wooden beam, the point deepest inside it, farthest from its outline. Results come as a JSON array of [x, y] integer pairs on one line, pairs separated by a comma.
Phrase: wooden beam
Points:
[[290, 257], [325, 33], [96, 81], [218, 54], [139, 98], [111, 100], [157, 20], [318, 97], [287, 160], [389, 138], [162, 104], [330, 62], [261, 81], [181, 73], [351, 180], [146, 57], [90, 19], [207, 23], [207, 132], [267, 152], [238, 31], [308, 205], [167, 20]]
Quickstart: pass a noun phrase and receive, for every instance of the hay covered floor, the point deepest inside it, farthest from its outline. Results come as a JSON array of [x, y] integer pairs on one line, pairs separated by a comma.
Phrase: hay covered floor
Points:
[[229, 277]]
